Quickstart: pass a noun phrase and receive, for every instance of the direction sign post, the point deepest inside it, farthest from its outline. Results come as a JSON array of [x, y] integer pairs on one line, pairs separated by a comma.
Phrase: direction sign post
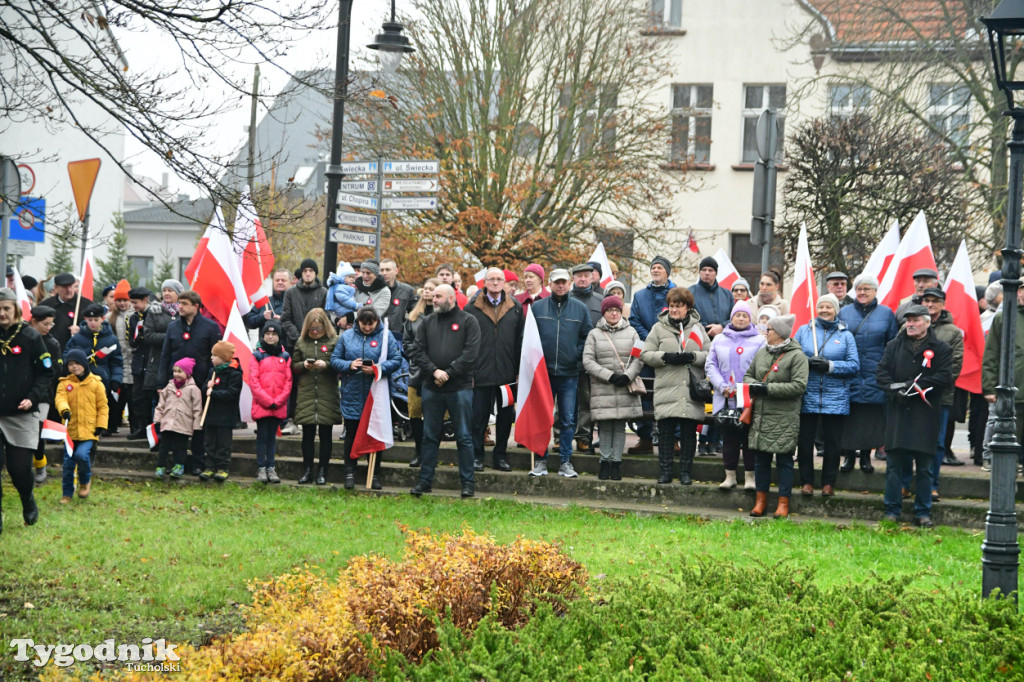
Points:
[[423, 167], [10, 192], [357, 219], [356, 200], [409, 203], [355, 238]]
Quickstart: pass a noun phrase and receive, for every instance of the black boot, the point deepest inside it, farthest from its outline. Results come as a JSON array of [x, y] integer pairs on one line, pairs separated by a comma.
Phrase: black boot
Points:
[[616, 471], [307, 477], [865, 462], [684, 470], [30, 511], [604, 471], [848, 461], [687, 451], [417, 438], [376, 484], [321, 475], [350, 475]]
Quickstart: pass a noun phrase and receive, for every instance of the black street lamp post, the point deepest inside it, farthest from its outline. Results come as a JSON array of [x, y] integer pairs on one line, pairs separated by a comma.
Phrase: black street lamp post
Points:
[[1000, 551], [391, 45]]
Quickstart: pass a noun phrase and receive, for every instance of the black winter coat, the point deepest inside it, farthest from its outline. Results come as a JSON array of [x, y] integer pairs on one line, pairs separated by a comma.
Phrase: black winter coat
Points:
[[448, 341], [298, 301], [110, 368], [409, 342], [202, 334], [227, 389], [154, 328], [26, 369], [501, 339], [591, 299], [65, 317], [403, 298], [910, 423]]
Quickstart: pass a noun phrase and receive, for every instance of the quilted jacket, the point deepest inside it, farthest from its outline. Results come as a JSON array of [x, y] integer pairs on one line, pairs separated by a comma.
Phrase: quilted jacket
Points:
[[829, 392], [672, 382], [600, 362], [776, 419]]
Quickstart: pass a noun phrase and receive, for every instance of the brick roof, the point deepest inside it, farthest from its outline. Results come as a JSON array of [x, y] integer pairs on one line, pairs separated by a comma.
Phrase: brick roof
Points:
[[866, 22]]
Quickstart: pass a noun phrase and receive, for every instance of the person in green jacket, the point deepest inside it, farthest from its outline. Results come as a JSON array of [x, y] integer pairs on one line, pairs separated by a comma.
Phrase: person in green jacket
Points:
[[990, 373], [777, 380]]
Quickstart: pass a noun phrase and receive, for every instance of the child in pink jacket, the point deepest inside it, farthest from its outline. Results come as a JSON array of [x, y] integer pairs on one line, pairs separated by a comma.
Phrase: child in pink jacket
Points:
[[177, 413], [270, 379]]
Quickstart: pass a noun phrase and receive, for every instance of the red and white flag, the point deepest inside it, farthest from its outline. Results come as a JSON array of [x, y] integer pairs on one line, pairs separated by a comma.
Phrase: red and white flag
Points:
[[703, 429], [963, 306], [152, 436], [256, 258], [535, 410], [914, 253], [104, 352], [507, 396], [804, 302], [743, 397], [695, 337], [85, 287], [601, 256], [375, 433], [691, 243], [638, 347], [479, 277], [236, 334], [23, 299], [727, 273], [881, 257], [216, 277], [53, 430]]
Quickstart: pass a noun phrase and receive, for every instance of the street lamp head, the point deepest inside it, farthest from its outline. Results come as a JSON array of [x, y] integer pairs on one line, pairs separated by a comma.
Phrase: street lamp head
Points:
[[1006, 30], [391, 45]]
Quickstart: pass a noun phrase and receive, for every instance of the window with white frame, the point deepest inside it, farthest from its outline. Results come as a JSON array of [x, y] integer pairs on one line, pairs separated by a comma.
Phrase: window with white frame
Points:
[[666, 13], [949, 111], [848, 99], [757, 98], [145, 266], [594, 130], [691, 123]]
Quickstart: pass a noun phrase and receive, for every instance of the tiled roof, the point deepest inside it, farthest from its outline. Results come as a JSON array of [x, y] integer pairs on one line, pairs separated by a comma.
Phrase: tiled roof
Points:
[[198, 211], [870, 22]]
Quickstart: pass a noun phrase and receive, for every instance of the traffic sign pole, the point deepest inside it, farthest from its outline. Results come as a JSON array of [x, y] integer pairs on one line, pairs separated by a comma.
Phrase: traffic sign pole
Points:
[[10, 186], [380, 205]]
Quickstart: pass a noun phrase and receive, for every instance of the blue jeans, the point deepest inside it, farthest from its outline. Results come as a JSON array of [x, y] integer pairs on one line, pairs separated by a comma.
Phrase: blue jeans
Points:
[[898, 462], [266, 441], [763, 471], [459, 405], [564, 391], [82, 457], [940, 454]]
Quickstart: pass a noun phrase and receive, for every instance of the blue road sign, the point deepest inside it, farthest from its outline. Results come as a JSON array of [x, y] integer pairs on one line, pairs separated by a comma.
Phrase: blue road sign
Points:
[[29, 220]]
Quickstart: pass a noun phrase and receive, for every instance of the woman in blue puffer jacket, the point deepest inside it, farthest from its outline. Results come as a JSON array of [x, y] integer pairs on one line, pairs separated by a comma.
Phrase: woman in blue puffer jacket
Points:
[[355, 356], [832, 363], [872, 326]]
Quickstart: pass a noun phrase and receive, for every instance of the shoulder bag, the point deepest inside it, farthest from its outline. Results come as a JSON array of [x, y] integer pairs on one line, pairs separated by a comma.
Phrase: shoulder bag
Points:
[[635, 387]]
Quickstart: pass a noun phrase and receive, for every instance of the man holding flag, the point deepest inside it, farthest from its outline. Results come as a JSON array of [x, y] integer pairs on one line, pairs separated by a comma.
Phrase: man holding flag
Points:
[[65, 303]]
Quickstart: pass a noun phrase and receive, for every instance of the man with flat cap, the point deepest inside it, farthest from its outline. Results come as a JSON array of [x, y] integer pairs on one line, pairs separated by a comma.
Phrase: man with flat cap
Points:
[[838, 285], [925, 278], [63, 301], [914, 372], [595, 276]]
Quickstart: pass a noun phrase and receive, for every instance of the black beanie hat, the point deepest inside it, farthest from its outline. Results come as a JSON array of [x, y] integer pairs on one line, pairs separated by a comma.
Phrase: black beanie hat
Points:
[[708, 262], [309, 263]]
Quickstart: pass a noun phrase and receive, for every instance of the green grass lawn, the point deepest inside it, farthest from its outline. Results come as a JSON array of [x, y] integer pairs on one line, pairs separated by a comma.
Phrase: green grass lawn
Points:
[[158, 560]]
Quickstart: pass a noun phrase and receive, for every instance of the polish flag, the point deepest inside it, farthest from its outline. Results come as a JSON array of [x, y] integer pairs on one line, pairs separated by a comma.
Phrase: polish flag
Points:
[[914, 253], [535, 411], [727, 273], [216, 277], [479, 277], [881, 257], [256, 260], [104, 352], [507, 397], [963, 306], [691, 243], [703, 429], [696, 338], [152, 436], [235, 333], [375, 433], [805, 289], [638, 347], [743, 397], [23, 299], [601, 256], [53, 430], [85, 288]]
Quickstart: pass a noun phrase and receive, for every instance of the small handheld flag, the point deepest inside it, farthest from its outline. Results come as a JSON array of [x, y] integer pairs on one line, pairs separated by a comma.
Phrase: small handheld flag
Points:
[[53, 430], [104, 352], [638, 347], [507, 398], [743, 397], [152, 436], [696, 338]]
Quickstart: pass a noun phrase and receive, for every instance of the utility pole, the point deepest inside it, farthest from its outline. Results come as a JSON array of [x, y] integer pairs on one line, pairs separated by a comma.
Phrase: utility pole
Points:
[[252, 129]]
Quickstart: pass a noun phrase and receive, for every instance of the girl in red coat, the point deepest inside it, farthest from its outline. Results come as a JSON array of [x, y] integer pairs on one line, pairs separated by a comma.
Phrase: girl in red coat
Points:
[[270, 379]]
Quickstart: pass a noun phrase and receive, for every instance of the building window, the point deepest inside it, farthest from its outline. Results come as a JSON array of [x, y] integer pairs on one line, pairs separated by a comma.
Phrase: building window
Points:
[[594, 131], [757, 98], [666, 14], [182, 264], [145, 266], [691, 123], [845, 100], [949, 111]]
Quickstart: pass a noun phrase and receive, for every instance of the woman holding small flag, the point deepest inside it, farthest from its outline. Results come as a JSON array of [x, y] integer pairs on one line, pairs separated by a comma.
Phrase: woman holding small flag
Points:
[[356, 358], [732, 351], [775, 382], [611, 358], [676, 348]]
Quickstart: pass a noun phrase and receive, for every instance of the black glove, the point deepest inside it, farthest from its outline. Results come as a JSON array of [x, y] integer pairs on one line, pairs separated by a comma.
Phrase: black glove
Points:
[[115, 386], [818, 364], [272, 406], [686, 357], [65, 415], [901, 397], [98, 431], [675, 358], [758, 388], [619, 379]]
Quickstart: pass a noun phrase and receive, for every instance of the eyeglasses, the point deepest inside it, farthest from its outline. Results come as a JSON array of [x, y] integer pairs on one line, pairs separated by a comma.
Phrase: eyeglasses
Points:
[[740, 290]]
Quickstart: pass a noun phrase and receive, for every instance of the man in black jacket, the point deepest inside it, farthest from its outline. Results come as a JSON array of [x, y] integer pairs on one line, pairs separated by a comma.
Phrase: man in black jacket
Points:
[[914, 372], [403, 297], [255, 318], [446, 347], [501, 323], [141, 408], [64, 301], [583, 290]]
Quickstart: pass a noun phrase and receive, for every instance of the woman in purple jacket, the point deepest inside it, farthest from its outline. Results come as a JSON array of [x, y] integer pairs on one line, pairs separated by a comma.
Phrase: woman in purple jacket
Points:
[[732, 351]]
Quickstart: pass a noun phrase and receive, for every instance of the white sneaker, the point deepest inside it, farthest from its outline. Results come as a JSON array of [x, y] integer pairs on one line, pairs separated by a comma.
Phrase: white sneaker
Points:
[[261, 475], [567, 471], [272, 476], [540, 468], [986, 465], [289, 428]]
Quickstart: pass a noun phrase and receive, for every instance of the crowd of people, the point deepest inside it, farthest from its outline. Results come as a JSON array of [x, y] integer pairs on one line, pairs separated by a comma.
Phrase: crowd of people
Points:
[[695, 371]]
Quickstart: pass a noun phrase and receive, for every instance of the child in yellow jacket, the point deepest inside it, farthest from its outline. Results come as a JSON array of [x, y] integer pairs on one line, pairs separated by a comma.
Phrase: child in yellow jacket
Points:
[[81, 401]]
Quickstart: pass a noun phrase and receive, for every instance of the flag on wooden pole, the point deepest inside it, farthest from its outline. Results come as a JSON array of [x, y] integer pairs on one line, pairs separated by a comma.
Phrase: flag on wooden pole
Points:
[[535, 410]]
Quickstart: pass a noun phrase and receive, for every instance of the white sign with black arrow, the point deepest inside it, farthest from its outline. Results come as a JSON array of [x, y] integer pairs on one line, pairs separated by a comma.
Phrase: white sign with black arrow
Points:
[[425, 185], [357, 200], [356, 219], [409, 203]]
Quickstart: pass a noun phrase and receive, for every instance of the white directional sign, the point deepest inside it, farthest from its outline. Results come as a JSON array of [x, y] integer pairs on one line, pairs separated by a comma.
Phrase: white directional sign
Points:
[[354, 238], [409, 203], [356, 219], [426, 185], [355, 167], [368, 186], [357, 200], [411, 166]]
